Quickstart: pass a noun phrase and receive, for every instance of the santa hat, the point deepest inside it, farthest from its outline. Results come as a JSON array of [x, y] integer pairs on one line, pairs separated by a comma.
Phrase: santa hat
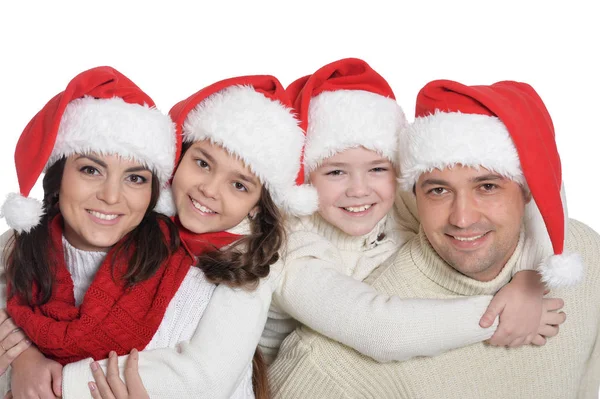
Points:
[[346, 104], [100, 111], [506, 128], [250, 116]]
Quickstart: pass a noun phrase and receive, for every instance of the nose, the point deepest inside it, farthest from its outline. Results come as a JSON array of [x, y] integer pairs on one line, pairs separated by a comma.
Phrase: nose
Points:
[[110, 191], [210, 187], [465, 211], [359, 186]]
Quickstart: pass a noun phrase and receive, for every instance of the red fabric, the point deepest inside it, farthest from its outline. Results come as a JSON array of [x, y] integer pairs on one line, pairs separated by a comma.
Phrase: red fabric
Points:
[[344, 74], [528, 122], [199, 243], [37, 140], [111, 317]]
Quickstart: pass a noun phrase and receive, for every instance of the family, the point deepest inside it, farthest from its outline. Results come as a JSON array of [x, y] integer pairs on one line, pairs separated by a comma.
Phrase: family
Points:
[[308, 241]]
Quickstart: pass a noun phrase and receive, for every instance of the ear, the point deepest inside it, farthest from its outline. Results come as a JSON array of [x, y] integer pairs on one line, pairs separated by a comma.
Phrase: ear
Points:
[[253, 212]]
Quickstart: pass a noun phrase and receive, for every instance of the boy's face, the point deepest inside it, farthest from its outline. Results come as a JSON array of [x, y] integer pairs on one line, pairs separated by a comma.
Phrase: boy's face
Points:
[[356, 189], [471, 217]]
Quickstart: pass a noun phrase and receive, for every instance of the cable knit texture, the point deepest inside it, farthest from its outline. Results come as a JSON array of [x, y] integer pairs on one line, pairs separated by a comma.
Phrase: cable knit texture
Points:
[[321, 287], [111, 316], [311, 366]]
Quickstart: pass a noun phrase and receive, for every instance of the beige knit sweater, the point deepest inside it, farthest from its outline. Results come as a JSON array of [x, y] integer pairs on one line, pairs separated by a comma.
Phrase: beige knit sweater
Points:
[[568, 366]]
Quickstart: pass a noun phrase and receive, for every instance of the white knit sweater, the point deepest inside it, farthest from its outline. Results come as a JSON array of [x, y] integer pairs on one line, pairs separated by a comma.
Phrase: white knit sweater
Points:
[[312, 366], [195, 368]]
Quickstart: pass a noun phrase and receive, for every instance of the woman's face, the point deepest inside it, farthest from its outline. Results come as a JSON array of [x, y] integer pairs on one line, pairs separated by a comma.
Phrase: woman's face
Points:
[[213, 190], [102, 198]]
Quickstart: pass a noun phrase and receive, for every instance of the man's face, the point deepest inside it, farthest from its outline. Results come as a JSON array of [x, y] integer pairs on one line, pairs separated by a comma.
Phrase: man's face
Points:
[[472, 218]]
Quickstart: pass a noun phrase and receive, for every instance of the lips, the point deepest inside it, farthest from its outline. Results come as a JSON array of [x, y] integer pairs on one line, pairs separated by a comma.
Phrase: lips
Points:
[[202, 208], [357, 209], [103, 216]]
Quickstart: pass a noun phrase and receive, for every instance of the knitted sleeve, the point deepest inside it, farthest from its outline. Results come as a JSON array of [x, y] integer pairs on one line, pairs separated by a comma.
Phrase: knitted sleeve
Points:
[[385, 328], [211, 365]]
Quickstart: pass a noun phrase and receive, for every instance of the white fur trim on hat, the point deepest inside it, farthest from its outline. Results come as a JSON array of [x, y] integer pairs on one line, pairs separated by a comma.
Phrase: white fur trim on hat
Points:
[[342, 119], [113, 126], [166, 202], [21, 213], [445, 139], [263, 133]]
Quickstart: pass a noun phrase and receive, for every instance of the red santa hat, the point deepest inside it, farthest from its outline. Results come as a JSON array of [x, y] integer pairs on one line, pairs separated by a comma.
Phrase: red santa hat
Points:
[[506, 128], [250, 116], [346, 104], [100, 111]]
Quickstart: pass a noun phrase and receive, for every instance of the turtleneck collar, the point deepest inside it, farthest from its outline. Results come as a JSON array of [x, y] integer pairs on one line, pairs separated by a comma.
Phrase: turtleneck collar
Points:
[[441, 273]]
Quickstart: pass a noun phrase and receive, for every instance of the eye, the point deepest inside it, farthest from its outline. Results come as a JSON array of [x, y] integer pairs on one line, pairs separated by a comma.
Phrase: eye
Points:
[[89, 170], [137, 179], [437, 191], [379, 169], [239, 186], [336, 172], [202, 163], [489, 187]]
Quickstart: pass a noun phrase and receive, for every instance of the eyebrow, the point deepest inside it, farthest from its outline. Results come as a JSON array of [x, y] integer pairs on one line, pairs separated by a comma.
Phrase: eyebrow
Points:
[[340, 164], [205, 154], [245, 178], [478, 179], [104, 165]]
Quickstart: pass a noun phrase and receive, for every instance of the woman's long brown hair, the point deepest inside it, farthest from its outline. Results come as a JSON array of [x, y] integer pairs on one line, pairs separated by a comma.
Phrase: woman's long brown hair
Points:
[[28, 263]]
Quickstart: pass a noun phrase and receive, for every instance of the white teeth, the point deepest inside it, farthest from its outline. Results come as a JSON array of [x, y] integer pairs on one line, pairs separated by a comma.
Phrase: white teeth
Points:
[[468, 238], [202, 208], [103, 216], [357, 209]]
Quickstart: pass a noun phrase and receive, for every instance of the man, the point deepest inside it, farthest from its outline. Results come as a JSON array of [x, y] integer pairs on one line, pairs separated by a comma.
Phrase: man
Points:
[[480, 160]]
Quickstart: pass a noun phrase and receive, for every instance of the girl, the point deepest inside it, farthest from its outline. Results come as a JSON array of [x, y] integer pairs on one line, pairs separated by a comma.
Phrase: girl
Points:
[[240, 155]]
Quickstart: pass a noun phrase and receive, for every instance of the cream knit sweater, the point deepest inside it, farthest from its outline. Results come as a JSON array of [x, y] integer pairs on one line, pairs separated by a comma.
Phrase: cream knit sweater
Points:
[[311, 366]]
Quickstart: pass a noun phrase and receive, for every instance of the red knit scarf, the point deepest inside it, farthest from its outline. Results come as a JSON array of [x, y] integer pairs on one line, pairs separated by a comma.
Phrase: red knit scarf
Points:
[[111, 316]]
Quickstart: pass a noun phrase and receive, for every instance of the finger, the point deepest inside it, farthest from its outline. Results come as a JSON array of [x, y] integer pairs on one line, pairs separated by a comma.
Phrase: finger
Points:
[[56, 374], [8, 395], [132, 376], [493, 310], [538, 340], [3, 316], [552, 304], [553, 318], [101, 384], [548, 331], [7, 358], [94, 390], [112, 376], [516, 343], [13, 338], [7, 327]]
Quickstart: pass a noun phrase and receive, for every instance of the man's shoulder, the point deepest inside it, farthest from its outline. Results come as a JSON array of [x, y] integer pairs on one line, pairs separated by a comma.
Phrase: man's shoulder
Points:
[[585, 241]]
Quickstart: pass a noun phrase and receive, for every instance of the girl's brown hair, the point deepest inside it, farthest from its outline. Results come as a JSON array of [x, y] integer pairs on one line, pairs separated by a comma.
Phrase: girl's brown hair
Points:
[[245, 262], [28, 263]]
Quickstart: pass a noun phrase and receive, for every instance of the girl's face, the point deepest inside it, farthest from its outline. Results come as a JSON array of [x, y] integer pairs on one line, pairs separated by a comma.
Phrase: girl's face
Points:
[[102, 198], [356, 189], [213, 190]]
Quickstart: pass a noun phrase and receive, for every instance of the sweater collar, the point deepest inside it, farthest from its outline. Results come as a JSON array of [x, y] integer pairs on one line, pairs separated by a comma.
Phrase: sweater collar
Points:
[[441, 273], [380, 233]]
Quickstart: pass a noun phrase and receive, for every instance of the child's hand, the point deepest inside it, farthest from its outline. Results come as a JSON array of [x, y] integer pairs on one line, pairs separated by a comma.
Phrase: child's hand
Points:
[[519, 305], [111, 386], [35, 376], [550, 321]]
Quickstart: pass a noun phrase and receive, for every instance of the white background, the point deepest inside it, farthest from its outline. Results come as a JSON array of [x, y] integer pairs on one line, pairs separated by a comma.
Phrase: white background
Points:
[[172, 49]]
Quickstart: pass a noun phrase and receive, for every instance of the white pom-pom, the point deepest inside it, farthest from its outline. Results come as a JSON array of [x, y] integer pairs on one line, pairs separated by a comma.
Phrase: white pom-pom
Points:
[[301, 200], [166, 203], [562, 270], [21, 213]]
